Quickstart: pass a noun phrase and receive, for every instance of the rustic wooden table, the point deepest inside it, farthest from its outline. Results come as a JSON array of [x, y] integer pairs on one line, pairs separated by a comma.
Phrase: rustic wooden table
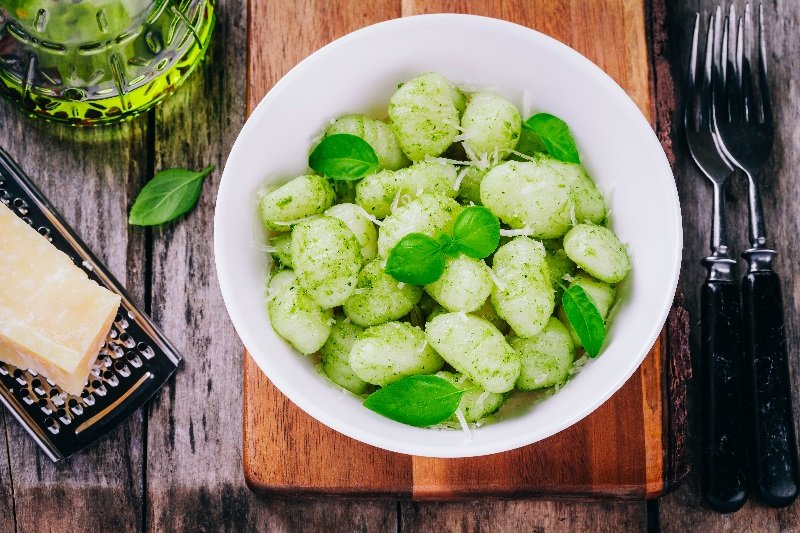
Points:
[[177, 464]]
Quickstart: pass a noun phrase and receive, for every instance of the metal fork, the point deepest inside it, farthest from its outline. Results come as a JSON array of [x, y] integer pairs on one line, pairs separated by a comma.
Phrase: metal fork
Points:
[[723, 470], [746, 130]]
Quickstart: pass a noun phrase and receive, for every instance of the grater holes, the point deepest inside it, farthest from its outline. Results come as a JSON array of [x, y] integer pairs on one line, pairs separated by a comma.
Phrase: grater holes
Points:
[[44, 405], [57, 398], [51, 425], [19, 375], [75, 407], [64, 416], [121, 368], [145, 350], [5, 196], [121, 322], [26, 397], [100, 389], [134, 359], [87, 398], [110, 378], [20, 205], [45, 232], [126, 340], [36, 385]]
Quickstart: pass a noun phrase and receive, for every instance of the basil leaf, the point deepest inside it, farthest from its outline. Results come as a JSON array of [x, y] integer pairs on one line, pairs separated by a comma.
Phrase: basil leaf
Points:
[[170, 194], [449, 246], [585, 319], [555, 135], [416, 400], [416, 259], [476, 231], [344, 157]]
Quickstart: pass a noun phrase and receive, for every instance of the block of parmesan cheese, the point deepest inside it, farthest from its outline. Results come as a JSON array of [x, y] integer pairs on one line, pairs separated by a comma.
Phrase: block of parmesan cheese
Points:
[[53, 318]]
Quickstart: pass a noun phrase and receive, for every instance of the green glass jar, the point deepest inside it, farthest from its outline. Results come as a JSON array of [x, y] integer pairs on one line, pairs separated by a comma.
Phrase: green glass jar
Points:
[[98, 61]]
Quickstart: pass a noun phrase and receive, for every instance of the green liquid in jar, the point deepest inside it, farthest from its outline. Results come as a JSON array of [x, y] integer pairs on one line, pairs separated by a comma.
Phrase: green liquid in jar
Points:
[[98, 61]]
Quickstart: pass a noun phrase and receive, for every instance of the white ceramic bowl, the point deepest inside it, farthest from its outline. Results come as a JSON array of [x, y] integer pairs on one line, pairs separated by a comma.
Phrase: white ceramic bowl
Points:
[[358, 73]]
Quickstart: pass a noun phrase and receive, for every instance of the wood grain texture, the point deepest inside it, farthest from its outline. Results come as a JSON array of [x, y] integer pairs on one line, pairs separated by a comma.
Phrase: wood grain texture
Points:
[[91, 176], [515, 516], [9, 523], [273, 425], [683, 509], [194, 448], [620, 452]]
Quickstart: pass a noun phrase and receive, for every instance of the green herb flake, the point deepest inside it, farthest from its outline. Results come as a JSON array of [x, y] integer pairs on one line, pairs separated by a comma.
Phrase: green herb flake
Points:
[[416, 259], [585, 319], [344, 157], [555, 135], [170, 194], [476, 231], [416, 400]]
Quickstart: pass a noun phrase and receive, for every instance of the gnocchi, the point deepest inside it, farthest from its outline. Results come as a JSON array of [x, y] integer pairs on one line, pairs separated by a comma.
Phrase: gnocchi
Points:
[[295, 316], [384, 353], [336, 356], [489, 324], [529, 196], [476, 348], [425, 115], [597, 250], [378, 134], [327, 259], [523, 295], [379, 298], [300, 198]]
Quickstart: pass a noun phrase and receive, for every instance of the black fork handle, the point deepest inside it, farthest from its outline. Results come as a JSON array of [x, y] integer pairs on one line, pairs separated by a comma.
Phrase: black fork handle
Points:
[[774, 445], [724, 470]]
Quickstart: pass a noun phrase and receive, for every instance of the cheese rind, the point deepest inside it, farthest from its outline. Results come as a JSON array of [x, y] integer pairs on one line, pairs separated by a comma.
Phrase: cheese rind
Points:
[[53, 318]]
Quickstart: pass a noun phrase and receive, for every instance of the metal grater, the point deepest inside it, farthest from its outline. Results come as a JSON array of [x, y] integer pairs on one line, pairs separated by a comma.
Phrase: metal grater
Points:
[[134, 362]]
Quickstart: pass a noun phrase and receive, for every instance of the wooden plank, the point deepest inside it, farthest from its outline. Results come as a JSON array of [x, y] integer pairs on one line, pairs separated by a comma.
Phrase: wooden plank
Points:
[[194, 447], [9, 523], [683, 510], [91, 176], [568, 467], [624, 459], [525, 515], [368, 469]]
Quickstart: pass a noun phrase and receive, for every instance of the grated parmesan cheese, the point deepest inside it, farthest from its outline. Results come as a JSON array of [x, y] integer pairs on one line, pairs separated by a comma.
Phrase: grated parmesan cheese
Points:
[[482, 399], [496, 280], [523, 156], [459, 178], [395, 202], [369, 217], [464, 425], [522, 232]]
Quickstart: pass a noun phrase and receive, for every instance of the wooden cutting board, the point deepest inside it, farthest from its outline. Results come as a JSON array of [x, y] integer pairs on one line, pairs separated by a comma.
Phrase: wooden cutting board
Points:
[[618, 451]]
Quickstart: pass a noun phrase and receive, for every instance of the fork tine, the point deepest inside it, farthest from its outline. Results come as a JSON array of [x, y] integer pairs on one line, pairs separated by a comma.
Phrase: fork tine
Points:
[[690, 109], [766, 106], [748, 83], [706, 100], [720, 103], [730, 32]]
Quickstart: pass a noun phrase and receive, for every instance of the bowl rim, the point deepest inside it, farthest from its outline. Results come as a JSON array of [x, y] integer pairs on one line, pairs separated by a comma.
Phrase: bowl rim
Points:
[[339, 424]]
